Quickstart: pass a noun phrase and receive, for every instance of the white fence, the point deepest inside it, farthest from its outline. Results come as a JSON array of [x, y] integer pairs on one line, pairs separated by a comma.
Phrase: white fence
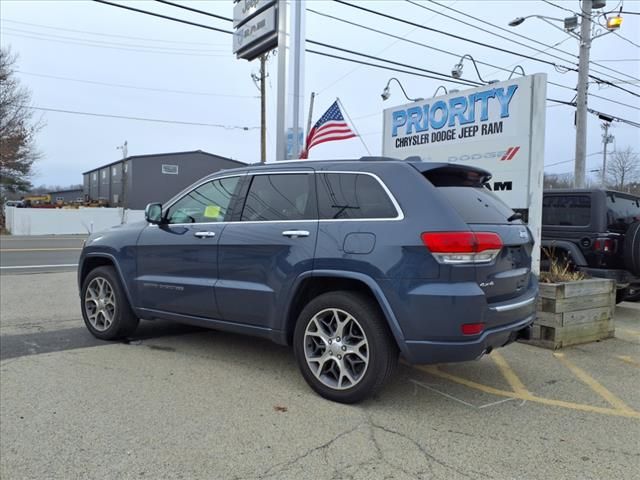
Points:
[[61, 221]]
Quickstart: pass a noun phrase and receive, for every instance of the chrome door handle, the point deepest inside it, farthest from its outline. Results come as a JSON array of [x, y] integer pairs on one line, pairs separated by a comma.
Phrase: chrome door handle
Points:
[[295, 233], [204, 234]]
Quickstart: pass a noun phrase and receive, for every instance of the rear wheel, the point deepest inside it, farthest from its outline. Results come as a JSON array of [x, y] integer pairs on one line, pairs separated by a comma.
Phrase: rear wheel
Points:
[[343, 346], [105, 307]]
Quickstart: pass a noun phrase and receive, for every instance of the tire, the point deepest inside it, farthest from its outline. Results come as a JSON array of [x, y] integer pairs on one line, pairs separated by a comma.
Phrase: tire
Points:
[[621, 295], [105, 307], [360, 372], [632, 248]]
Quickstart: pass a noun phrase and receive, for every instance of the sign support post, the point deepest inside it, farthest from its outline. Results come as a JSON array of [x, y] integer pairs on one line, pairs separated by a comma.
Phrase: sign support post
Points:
[[290, 101]]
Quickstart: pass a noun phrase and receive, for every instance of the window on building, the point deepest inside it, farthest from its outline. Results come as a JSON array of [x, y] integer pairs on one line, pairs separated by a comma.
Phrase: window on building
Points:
[[206, 204], [279, 197], [124, 167], [95, 176], [114, 171], [352, 196], [170, 169], [104, 174], [569, 210]]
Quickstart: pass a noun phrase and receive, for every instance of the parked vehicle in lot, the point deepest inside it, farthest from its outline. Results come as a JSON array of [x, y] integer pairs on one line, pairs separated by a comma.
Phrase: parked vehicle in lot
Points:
[[598, 232], [352, 262]]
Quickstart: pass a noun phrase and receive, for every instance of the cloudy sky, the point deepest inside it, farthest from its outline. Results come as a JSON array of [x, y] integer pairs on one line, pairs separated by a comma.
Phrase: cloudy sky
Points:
[[88, 57]]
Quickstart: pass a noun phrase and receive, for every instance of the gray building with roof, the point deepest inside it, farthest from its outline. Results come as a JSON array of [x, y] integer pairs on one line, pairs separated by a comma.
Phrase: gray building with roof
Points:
[[137, 180]]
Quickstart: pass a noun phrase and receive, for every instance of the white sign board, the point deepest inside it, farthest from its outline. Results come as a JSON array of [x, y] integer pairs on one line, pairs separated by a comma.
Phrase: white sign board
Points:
[[490, 127], [258, 34], [245, 9], [498, 127]]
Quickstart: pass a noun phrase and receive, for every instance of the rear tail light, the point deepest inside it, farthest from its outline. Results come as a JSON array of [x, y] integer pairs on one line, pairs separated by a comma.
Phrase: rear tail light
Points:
[[463, 247], [605, 245], [472, 328]]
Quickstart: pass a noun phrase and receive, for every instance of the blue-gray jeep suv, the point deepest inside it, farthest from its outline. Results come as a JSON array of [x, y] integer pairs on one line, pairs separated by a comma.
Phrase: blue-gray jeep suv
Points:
[[352, 262]]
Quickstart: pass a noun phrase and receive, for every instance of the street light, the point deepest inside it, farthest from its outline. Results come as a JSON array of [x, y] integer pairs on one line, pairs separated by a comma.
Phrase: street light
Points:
[[386, 93], [585, 37], [456, 71], [435, 94]]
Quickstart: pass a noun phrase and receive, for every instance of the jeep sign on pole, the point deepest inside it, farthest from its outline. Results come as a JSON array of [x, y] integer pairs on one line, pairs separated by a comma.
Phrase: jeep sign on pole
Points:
[[256, 28], [498, 127]]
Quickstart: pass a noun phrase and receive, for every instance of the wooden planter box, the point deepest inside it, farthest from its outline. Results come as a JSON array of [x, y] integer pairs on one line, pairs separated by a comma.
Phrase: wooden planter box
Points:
[[574, 312]]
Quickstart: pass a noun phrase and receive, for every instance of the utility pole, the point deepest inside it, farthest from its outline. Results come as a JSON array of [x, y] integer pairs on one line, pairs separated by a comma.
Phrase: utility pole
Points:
[[263, 108], [606, 139], [581, 99]]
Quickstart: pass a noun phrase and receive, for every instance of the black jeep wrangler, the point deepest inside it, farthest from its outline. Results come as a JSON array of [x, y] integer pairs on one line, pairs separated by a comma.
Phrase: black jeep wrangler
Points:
[[598, 232]]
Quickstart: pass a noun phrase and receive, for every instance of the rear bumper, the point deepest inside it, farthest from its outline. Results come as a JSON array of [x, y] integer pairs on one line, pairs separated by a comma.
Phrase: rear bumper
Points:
[[623, 278], [426, 352]]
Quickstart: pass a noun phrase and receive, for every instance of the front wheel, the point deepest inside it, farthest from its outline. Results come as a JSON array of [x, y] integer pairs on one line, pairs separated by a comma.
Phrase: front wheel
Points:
[[343, 346], [105, 307]]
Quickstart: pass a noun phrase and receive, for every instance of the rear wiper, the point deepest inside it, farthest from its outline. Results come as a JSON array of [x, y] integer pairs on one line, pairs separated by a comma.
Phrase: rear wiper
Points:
[[515, 216]]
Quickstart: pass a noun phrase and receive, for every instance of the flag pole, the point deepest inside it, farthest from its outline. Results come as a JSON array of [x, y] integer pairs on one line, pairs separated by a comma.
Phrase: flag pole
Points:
[[353, 125]]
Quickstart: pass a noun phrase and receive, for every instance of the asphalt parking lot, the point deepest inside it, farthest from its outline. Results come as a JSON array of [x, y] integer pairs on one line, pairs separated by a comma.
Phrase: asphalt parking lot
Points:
[[180, 402]]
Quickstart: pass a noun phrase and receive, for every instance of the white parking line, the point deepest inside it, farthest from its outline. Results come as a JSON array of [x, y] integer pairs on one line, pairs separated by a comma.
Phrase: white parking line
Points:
[[39, 266]]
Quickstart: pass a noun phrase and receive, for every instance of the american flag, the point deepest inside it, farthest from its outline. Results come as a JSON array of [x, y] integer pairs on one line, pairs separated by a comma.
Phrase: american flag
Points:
[[330, 127]]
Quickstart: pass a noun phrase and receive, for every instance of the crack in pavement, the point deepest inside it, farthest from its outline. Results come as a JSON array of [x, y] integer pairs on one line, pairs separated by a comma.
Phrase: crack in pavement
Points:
[[381, 457]]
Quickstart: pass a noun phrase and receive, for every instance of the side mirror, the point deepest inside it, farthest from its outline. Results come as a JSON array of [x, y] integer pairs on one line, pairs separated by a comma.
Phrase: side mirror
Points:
[[153, 213]]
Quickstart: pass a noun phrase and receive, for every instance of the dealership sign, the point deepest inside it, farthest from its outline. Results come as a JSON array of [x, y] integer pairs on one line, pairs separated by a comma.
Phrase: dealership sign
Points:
[[256, 27], [498, 127]]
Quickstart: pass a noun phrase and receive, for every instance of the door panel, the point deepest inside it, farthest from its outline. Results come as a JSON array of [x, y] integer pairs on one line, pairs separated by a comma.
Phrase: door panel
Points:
[[261, 256], [177, 261], [177, 270]]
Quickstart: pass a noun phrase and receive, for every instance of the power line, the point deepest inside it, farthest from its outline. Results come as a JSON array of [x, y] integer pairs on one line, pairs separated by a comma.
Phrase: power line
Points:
[[117, 44], [373, 57], [220, 17], [70, 42], [484, 30], [614, 118], [626, 39], [384, 67], [143, 119], [110, 34], [134, 87], [517, 34], [572, 160], [166, 17], [620, 60], [456, 55], [476, 42]]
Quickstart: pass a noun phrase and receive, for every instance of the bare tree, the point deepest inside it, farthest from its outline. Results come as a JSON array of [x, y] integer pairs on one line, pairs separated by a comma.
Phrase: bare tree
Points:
[[557, 180], [17, 131], [623, 169]]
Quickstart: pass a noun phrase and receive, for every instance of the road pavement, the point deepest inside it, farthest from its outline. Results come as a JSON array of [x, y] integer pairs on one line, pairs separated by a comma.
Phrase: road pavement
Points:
[[37, 254], [178, 402]]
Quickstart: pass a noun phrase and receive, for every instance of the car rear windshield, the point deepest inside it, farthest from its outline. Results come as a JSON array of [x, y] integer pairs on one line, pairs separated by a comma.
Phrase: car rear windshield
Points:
[[622, 210], [566, 210], [477, 204]]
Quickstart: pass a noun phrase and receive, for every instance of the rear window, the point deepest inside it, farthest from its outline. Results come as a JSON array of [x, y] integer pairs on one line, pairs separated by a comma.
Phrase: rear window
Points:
[[352, 196], [477, 204], [566, 210], [622, 211]]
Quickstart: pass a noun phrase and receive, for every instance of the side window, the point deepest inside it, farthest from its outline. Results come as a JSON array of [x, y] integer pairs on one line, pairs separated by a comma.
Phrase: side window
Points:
[[568, 210], [622, 211], [206, 204], [279, 197], [349, 195]]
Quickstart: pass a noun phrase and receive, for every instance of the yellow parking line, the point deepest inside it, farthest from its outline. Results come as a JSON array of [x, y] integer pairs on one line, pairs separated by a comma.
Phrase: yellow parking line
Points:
[[629, 360], [509, 374], [435, 371], [38, 249], [593, 384]]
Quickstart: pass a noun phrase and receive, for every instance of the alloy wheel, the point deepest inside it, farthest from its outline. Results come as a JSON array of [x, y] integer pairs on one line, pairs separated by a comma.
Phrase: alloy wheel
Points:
[[100, 303], [336, 348]]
